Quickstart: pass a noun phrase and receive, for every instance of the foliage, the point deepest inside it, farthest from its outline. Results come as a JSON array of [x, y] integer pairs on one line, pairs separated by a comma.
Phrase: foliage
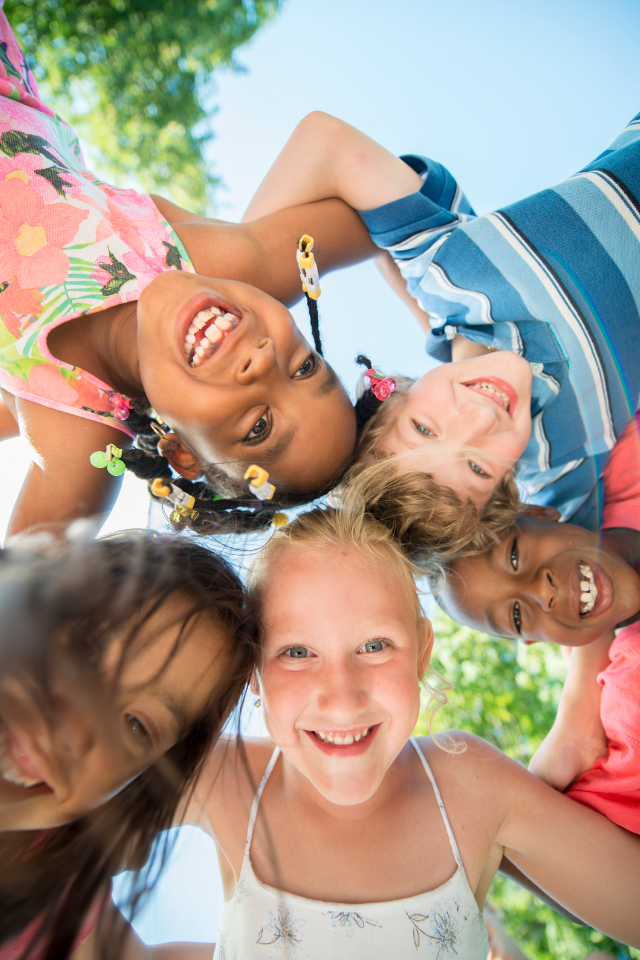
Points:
[[508, 695], [135, 77]]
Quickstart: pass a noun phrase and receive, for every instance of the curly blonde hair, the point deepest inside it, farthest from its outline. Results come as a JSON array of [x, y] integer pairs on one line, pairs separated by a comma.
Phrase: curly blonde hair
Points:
[[430, 521]]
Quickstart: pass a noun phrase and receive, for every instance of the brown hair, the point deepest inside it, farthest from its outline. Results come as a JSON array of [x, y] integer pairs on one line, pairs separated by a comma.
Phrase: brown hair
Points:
[[430, 521], [85, 592]]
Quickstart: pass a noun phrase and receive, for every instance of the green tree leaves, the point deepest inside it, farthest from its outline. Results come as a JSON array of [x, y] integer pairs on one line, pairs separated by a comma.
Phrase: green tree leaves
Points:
[[133, 75]]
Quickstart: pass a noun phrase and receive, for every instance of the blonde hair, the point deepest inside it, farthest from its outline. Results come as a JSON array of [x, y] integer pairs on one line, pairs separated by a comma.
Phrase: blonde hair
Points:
[[430, 521], [328, 526]]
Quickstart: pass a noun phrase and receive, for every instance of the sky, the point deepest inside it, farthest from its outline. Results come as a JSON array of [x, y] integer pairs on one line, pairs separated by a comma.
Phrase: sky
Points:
[[511, 96]]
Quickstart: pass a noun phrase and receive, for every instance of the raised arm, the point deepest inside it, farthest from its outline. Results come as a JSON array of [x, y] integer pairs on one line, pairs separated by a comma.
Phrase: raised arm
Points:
[[579, 858], [577, 737], [325, 157], [61, 484]]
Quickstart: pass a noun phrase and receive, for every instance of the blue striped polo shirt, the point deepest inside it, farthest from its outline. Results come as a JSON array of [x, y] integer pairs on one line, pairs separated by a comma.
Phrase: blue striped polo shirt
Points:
[[555, 278]]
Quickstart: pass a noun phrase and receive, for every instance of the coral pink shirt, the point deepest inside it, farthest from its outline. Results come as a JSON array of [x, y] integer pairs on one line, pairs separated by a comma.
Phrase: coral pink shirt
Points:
[[69, 245], [612, 786], [622, 481]]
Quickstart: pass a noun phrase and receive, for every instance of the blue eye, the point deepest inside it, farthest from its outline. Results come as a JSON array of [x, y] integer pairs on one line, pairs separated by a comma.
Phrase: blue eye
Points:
[[425, 431], [375, 646], [296, 653], [477, 469]]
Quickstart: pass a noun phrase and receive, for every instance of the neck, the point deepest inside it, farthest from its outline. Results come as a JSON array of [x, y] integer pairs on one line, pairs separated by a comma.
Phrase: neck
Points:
[[626, 544]]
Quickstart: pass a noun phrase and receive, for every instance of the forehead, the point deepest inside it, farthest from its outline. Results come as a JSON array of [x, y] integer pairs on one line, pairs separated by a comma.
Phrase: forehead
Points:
[[313, 583]]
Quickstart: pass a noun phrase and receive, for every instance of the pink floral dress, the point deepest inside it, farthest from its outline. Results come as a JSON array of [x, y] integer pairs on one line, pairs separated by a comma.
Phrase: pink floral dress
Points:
[[69, 245]]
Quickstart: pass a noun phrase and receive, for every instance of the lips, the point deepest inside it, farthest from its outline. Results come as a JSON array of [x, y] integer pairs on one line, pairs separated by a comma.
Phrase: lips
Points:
[[203, 326], [497, 390], [20, 763], [336, 743]]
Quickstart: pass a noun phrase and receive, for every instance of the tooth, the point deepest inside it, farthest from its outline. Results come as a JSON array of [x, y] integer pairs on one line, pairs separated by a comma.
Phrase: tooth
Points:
[[226, 322], [584, 585], [213, 335], [338, 740], [329, 738], [584, 597], [357, 737], [190, 338], [348, 740]]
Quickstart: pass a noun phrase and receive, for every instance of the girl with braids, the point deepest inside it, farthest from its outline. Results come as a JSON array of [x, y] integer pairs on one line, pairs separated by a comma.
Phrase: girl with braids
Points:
[[533, 309], [108, 309], [120, 661]]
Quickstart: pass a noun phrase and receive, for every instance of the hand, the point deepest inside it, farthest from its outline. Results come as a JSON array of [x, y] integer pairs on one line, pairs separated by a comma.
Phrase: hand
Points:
[[566, 752]]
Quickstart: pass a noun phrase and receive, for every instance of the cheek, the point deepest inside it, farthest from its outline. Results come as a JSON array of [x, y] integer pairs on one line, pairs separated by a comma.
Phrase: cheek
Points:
[[285, 695]]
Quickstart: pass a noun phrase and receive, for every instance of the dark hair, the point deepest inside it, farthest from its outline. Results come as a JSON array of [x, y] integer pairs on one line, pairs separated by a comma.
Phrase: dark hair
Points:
[[82, 593], [224, 505]]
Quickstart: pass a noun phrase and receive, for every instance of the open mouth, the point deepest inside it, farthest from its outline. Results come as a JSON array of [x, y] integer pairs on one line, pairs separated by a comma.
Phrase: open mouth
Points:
[[207, 331], [11, 768], [588, 589], [342, 738], [500, 392]]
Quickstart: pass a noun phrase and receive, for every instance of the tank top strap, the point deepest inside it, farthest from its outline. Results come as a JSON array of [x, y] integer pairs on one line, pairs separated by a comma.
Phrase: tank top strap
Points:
[[256, 800], [427, 770]]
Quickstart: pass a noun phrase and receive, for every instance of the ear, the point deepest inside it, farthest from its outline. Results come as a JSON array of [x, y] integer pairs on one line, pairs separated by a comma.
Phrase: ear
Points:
[[425, 655], [550, 514], [182, 460], [254, 684]]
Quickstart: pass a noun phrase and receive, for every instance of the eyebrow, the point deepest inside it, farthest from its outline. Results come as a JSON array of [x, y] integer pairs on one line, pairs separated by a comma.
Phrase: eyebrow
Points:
[[329, 383], [172, 705], [278, 448], [493, 623]]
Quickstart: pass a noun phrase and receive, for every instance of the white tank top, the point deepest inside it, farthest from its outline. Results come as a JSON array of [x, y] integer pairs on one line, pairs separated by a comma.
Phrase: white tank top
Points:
[[262, 922]]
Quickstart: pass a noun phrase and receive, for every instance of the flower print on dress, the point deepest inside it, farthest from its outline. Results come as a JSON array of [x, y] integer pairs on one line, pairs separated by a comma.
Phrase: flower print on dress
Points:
[[18, 307], [284, 932], [116, 221], [445, 931], [50, 182], [350, 921], [33, 234]]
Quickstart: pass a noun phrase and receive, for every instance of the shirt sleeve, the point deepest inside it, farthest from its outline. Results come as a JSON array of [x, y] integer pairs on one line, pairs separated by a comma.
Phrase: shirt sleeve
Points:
[[622, 481]]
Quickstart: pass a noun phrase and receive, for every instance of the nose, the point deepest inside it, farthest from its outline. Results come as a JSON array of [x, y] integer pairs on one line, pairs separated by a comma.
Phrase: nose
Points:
[[342, 694], [259, 362], [74, 734], [477, 420], [542, 589]]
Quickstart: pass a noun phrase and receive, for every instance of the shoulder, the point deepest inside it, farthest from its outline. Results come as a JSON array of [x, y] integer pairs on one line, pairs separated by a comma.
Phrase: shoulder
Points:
[[468, 768]]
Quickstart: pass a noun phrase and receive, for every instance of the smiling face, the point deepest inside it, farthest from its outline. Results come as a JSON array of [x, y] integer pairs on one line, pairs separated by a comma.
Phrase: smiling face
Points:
[[343, 655], [536, 585], [225, 365], [58, 764], [465, 423]]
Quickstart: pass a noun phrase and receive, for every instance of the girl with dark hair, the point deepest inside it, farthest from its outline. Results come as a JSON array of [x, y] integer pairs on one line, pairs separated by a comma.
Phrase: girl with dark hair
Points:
[[108, 311], [120, 661]]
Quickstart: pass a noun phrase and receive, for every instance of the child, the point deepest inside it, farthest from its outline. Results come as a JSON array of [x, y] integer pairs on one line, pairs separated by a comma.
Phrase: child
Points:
[[108, 308], [359, 841], [551, 283], [120, 660], [559, 583]]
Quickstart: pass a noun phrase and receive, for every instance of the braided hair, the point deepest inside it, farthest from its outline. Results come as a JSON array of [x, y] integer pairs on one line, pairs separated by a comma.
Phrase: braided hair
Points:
[[222, 504]]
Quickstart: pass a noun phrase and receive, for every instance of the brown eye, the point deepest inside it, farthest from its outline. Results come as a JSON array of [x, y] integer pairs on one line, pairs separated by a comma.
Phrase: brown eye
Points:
[[517, 618], [258, 428], [308, 367], [137, 728], [513, 557]]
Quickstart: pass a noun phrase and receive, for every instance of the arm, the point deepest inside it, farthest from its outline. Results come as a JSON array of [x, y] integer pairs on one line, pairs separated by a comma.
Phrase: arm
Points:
[[577, 737], [590, 866], [61, 484], [325, 157], [8, 423], [113, 925]]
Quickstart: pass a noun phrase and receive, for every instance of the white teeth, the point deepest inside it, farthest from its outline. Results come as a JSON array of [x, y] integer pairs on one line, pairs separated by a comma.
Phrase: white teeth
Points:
[[589, 591], [489, 387], [342, 741], [213, 333], [9, 771]]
